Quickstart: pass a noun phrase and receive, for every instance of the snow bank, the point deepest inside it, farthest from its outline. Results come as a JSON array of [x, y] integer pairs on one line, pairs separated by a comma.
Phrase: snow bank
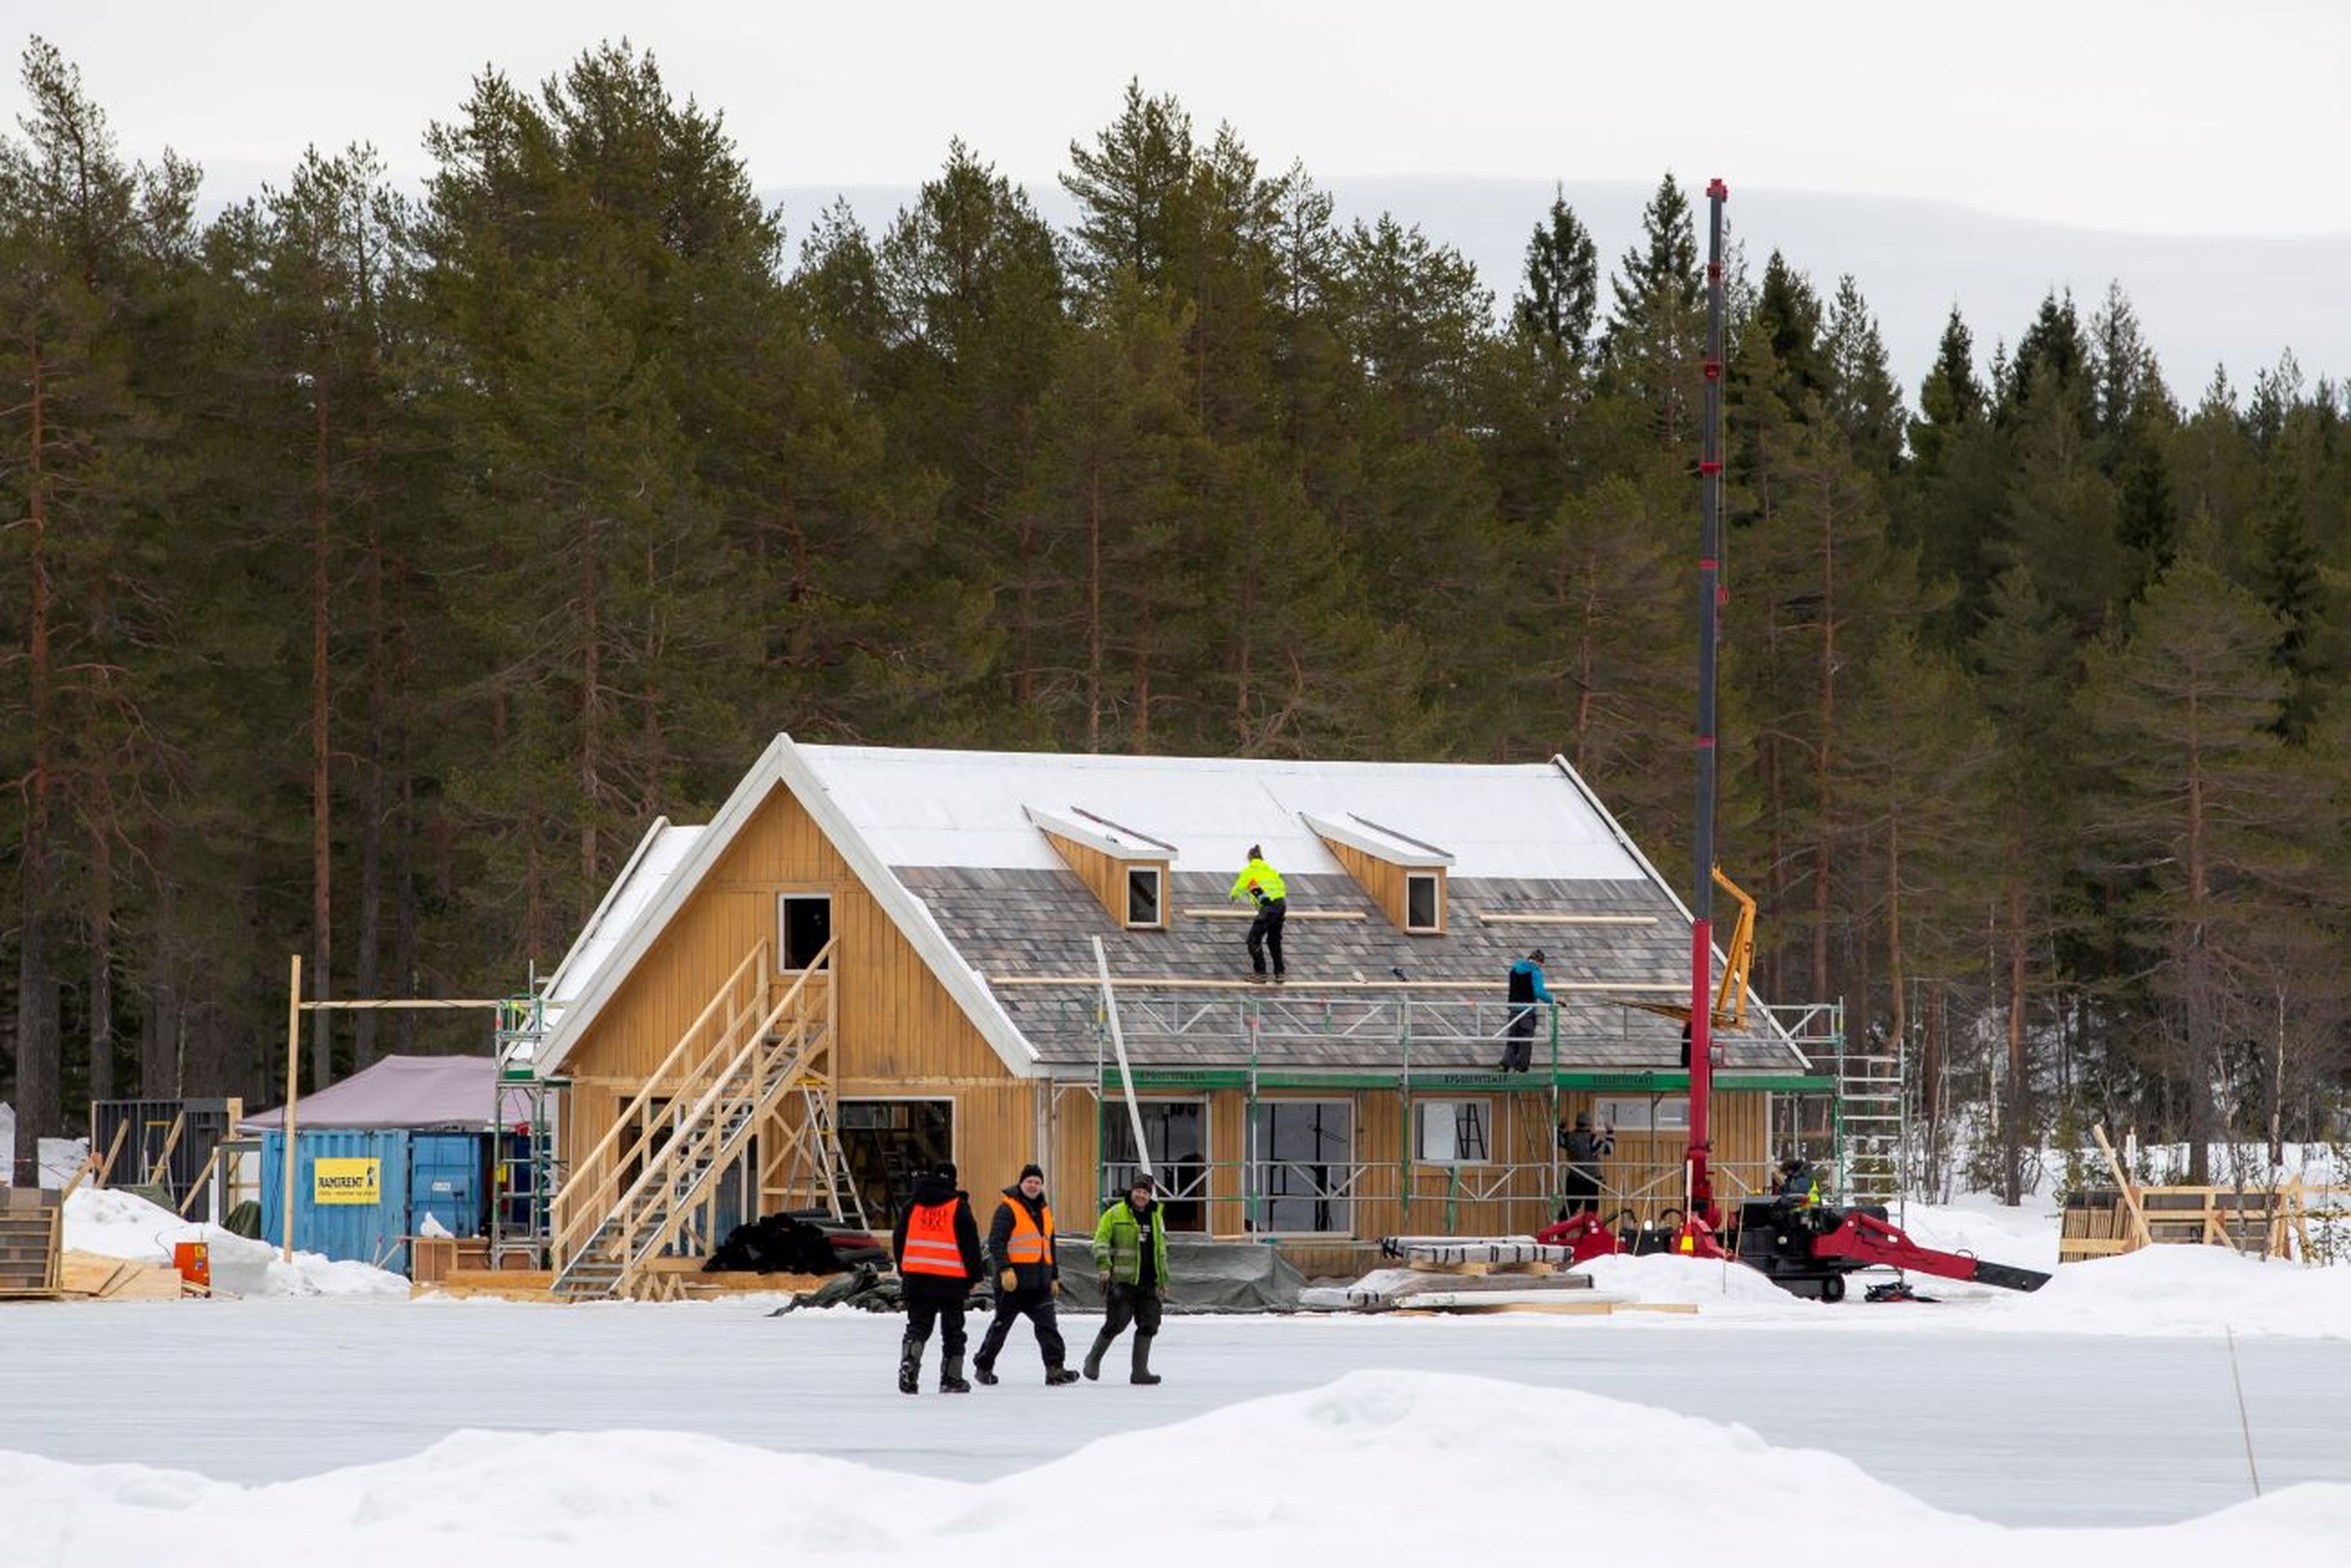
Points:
[[1375, 1466], [2191, 1290], [122, 1225]]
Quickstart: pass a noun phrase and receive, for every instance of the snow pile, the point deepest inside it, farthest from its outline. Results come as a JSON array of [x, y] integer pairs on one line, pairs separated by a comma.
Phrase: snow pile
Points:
[[1375, 1466], [1716, 1286], [120, 1225], [2196, 1291]]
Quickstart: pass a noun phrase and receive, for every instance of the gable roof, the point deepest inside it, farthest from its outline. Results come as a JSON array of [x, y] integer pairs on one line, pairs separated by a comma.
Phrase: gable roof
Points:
[[952, 846]]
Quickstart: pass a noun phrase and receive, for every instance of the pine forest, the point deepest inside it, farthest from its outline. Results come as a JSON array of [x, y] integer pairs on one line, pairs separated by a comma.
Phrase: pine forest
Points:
[[380, 561]]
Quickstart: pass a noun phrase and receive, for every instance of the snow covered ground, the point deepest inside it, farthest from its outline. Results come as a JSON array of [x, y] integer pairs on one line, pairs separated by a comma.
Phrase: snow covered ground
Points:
[[369, 1429]]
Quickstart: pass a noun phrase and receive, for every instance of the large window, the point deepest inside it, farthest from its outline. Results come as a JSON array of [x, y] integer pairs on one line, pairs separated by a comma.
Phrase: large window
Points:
[[888, 1144], [803, 926], [1803, 1123], [1301, 1154], [1451, 1132], [1177, 1134]]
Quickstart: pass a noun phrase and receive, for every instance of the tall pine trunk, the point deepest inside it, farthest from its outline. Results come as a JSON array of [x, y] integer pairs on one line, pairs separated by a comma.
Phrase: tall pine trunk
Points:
[[322, 1060], [39, 1107]]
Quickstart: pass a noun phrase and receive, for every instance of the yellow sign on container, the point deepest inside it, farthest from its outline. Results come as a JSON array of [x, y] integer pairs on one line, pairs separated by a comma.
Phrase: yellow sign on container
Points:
[[346, 1181]]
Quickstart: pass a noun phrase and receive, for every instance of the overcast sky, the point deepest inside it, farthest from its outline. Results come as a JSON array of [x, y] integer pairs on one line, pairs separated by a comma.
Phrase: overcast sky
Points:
[[2226, 118]]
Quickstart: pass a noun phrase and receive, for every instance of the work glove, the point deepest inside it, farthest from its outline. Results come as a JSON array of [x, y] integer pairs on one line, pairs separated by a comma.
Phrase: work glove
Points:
[[1009, 1281], [1057, 1289], [1162, 1292], [1105, 1281]]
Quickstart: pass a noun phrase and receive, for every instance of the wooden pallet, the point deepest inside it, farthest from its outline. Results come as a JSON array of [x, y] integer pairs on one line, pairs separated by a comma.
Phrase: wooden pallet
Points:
[[32, 1227]]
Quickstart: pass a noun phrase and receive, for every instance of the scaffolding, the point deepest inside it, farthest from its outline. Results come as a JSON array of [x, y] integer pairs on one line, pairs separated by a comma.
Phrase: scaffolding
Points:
[[526, 1164]]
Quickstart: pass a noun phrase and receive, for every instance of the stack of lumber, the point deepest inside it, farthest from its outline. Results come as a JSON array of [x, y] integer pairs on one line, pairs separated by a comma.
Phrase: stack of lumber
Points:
[[91, 1277], [1503, 1274], [31, 1222]]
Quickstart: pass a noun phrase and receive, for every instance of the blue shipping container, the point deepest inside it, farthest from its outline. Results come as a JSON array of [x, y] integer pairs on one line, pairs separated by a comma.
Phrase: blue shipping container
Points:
[[374, 1233], [444, 1180]]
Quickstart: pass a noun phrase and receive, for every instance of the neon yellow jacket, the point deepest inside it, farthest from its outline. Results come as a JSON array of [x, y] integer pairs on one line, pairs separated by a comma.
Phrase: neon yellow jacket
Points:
[[1258, 881]]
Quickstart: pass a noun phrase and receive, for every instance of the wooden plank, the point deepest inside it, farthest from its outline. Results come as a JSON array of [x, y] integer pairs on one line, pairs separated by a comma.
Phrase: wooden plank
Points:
[[2121, 1183]]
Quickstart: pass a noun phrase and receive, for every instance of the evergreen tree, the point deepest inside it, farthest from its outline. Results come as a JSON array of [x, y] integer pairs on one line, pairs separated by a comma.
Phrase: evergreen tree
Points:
[[1654, 340], [1130, 188], [1560, 295]]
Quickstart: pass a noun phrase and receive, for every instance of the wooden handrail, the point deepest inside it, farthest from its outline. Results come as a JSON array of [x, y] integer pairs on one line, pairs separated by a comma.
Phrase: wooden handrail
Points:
[[585, 1171], [705, 1073], [702, 1117]]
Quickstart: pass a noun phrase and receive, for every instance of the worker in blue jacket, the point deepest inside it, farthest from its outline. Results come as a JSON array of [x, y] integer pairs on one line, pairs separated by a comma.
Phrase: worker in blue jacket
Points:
[[1527, 988]]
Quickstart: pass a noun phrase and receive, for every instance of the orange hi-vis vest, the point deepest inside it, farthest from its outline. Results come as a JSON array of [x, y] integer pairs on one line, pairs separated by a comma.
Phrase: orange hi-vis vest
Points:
[[1028, 1244], [931, 1246]]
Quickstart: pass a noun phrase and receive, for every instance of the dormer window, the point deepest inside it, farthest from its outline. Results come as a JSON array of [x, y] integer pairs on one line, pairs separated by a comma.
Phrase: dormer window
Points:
[[1403, 876], [1124, 869], [1146, 901], [1423, 901]]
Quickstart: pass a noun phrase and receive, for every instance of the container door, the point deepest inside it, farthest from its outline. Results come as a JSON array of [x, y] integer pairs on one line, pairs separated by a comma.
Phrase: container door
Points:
[[444, 1180]]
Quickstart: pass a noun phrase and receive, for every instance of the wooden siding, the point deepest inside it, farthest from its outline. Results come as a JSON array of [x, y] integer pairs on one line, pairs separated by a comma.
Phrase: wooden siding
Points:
[[900, 1031], [1105, 877], [1384, 882]]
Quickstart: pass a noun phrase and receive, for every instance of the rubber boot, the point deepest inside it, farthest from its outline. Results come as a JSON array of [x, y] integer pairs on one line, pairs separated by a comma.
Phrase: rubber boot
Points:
[[1094, 1356], [983, 1375], [1143, 1373], [951, 1377], [910, 1365], [1056, 1376]]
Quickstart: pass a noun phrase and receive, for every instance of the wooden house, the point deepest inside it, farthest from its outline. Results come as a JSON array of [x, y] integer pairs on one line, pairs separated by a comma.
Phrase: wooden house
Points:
[[870, 959]]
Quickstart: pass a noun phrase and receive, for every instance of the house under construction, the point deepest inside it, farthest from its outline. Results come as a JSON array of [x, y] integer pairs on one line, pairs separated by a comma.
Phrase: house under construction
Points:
[[873, 959]]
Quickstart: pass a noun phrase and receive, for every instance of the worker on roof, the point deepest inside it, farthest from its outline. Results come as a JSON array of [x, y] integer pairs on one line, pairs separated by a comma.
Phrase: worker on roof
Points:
[[1262, 886], [1525, 988], [1020, 1239], [935, 1245]]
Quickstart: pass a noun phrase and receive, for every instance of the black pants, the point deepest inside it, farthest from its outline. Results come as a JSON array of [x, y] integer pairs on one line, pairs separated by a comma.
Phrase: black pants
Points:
[[1131, 1304], [1519, 1042], [1581, 1192], [923, 1312], [1037, 1306], [1265, 933]]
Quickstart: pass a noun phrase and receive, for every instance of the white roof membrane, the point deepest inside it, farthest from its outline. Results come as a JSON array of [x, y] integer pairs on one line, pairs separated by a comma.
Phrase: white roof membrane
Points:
[[971, 808]]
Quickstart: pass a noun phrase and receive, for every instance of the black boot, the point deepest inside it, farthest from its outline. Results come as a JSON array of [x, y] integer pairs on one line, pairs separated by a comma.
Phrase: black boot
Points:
[[1055, 1377], [1143, 1373], [1094, 1356], [983, 1375], [951, 1377], [910, 1365]]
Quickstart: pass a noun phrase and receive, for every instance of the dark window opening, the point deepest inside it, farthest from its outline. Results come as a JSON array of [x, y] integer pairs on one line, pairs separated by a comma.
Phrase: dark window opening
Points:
[[807, 922], [1143, 895], [1176, 1133], [1420, 903], [888, 1144]]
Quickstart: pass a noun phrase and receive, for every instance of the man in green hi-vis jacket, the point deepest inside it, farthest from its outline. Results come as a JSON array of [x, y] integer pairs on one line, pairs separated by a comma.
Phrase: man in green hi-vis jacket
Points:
[[1262, 885], [1131, 1256]]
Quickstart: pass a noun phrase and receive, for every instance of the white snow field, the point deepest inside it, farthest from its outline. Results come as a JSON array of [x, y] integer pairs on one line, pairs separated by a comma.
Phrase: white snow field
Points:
[[2099, 1417]]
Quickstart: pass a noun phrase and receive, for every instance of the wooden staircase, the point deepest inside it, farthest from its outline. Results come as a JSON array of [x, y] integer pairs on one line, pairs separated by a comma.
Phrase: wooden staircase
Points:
[[753, 1059]]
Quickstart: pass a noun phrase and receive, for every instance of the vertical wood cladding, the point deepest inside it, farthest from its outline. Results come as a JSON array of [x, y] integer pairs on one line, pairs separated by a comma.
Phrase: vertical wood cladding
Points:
[[1384, 882], [1105, 877], [898, 1026]]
